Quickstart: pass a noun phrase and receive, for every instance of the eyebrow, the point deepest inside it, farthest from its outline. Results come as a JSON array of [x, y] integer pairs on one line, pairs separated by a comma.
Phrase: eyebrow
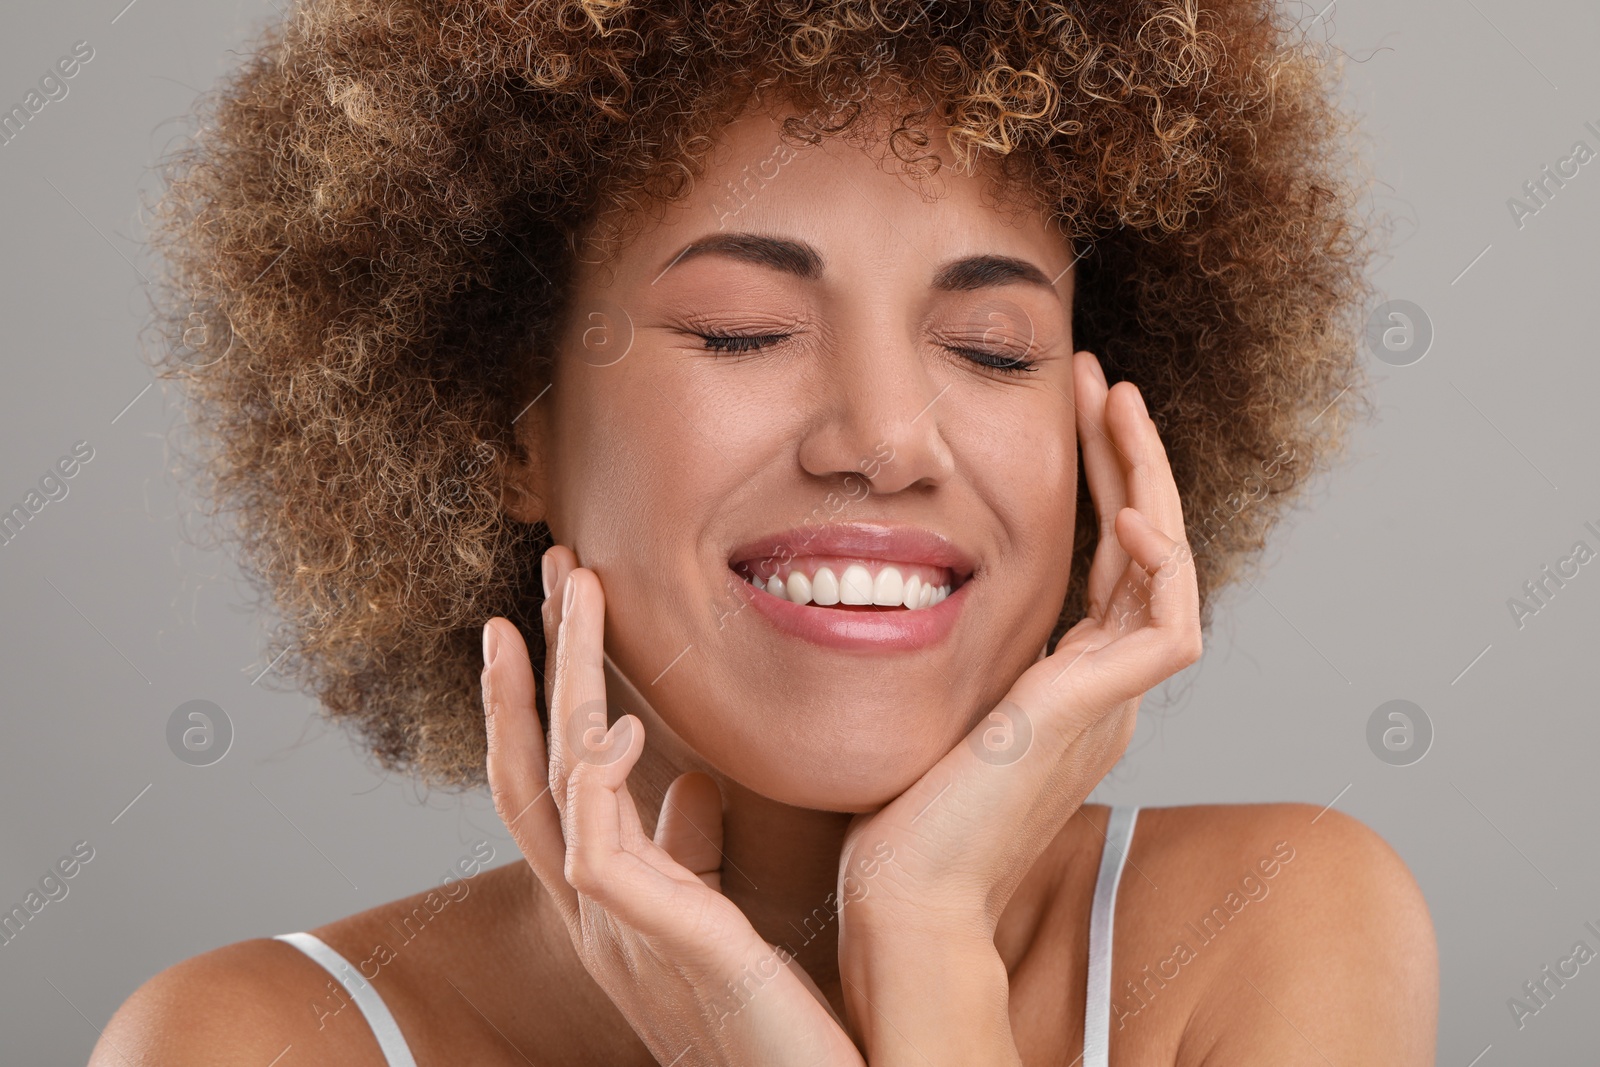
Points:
[[782, 254], [803, 261]]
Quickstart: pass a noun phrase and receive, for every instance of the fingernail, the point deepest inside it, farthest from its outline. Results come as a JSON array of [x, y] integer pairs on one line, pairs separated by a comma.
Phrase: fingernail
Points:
[[547, 572], [566, 597], [1139, 394], [491, 645], [1099, 371]]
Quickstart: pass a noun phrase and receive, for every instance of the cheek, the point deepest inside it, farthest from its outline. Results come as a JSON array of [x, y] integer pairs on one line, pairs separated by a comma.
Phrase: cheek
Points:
[[624, 467], [1029, 477], [649, 455]]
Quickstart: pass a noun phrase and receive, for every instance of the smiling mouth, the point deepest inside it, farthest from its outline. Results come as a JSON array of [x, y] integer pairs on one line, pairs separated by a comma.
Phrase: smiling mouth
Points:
[[851, 584]]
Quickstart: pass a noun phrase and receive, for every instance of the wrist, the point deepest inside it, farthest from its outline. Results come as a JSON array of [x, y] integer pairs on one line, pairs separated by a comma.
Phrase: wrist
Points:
[[929, 997]]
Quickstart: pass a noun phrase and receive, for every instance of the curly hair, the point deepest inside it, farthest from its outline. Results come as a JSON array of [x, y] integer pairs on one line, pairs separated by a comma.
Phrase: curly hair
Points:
[[368, 246]]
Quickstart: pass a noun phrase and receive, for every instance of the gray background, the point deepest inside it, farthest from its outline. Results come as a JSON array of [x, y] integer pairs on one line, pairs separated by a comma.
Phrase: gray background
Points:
[[1392, 584]]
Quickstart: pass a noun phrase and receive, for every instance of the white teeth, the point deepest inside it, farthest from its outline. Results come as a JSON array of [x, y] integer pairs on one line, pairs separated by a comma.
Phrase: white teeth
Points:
[[824, 588], [855, 585], [888, 588]]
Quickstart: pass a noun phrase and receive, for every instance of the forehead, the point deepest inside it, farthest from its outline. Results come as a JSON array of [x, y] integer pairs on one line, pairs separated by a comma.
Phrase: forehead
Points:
[[849, 193]]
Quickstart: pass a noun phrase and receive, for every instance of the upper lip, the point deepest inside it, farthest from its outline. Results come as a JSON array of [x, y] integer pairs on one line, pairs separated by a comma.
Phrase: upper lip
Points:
[[891, 542]]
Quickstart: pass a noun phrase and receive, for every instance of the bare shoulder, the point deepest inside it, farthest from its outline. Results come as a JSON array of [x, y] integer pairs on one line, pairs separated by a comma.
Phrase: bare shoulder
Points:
[[431, 958], [1306, 935], [245, 1004]]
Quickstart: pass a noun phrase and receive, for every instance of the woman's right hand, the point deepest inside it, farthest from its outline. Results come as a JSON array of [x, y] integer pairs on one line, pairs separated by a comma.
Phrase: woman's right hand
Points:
[[648, 919]]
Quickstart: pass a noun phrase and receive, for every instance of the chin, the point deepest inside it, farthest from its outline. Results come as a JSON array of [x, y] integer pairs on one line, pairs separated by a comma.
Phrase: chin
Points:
[[852, 786], [853, 763]]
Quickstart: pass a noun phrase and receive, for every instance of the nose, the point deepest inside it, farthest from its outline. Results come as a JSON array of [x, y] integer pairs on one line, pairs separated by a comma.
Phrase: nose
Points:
[[881, 416]]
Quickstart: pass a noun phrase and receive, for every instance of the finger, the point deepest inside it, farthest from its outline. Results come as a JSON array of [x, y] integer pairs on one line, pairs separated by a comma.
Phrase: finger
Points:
[[557, 563], [690, 827], [1172, 640], [598, 865], [578, 712], [515, 763], [1170, 593], [1155, 634], [1104, 471], [1150, 485], [635, 840]]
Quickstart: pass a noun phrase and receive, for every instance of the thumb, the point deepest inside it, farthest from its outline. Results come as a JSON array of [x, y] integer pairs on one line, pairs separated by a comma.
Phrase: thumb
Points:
[[689, 828]]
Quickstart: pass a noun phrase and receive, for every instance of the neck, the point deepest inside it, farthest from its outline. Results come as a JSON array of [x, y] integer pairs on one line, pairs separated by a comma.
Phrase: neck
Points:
[[781, 868], [780, 864]]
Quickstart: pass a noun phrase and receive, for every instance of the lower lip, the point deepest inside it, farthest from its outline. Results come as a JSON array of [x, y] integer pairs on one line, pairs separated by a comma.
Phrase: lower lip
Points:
[[890, 630]]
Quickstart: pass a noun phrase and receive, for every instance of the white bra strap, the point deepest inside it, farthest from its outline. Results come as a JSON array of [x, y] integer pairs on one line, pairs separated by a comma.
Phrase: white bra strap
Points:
[[1097, 1010], [393, 1044]]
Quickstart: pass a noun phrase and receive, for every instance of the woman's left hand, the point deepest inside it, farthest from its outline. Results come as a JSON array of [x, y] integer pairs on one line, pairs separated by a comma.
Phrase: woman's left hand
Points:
[[966, 834]]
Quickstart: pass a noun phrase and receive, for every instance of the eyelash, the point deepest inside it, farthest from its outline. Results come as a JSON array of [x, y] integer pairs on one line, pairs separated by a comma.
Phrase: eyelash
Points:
[[717, 342], [740, 344]]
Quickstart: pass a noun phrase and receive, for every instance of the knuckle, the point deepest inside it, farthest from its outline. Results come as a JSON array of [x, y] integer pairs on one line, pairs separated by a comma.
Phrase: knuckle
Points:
[[498, 794], [577, 779], [582, 872], [493, 742], [505, 805], [1191, 645]]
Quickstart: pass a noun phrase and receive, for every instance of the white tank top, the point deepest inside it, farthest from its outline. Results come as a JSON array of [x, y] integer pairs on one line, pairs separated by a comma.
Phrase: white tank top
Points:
[[1097, 1013]]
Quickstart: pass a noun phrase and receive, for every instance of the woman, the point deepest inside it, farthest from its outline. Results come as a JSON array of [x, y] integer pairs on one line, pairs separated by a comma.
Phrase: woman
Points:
[[753, 349]]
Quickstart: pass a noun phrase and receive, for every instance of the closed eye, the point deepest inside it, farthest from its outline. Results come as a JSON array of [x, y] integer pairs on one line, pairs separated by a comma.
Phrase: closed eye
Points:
[[999, 361], [736, 343]]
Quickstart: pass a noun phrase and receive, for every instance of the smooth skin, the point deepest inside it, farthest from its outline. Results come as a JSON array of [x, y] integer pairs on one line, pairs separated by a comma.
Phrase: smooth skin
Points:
[[648, 916], [760, 777]]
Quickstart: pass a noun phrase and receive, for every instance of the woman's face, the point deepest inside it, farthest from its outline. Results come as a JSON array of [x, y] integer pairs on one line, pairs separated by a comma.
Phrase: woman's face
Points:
[[852, 442]]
